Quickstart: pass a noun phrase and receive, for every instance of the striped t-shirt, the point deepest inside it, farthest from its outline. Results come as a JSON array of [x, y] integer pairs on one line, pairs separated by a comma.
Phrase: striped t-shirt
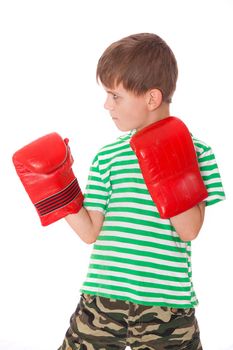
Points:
[[138, 256]]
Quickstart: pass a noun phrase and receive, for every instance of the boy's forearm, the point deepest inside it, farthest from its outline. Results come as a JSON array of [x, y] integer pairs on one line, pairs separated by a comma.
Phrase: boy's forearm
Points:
[[189, 223], [87, 224]]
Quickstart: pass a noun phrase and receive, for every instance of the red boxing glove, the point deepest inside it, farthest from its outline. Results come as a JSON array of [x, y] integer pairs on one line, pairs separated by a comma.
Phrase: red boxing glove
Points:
[[44, 168], [169, 165]]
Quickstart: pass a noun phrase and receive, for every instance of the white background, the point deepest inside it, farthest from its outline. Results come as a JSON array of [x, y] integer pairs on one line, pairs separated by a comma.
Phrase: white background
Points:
[[49, 50]]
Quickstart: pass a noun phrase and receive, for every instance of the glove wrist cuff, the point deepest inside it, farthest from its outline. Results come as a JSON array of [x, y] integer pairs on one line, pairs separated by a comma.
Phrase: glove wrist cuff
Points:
[[71, 194]]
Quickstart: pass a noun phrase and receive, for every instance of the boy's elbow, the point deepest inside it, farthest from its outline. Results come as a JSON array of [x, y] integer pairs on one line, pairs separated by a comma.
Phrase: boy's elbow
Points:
[[91, 237], [189, 235], [90, 240]]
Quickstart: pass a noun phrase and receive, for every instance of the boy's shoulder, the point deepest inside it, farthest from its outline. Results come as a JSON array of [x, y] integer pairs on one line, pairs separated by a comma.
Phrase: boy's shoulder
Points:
[[120, 143], [200, 146]]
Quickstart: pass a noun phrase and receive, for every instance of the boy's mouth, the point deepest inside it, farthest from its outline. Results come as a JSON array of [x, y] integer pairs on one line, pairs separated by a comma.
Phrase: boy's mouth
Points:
[[114, 118]]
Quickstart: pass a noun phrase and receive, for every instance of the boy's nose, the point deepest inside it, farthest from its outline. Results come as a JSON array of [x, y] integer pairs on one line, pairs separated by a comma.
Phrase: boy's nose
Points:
[[108, 104]]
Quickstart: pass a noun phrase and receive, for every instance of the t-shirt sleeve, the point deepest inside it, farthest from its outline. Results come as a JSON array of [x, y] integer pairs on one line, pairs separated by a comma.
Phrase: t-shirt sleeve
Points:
[[96, 195], [211, 176]]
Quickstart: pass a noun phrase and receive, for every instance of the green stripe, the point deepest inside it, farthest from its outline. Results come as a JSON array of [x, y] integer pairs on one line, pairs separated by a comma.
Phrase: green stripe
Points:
[[125, 162], [141, 233], [141, 243], [213, 201], [126, 180], [94, 169], [132, 200], [94, 178], [137, 252], [137, 283], [118, 155], [95, 196], [214, 184], [211, 176], [204, 148], [98, 205], [130, 190], [216, 193], [140, 273], [208, 167], [136, 221], [96, 187], [206, 158], [104, 151], [138, 263]]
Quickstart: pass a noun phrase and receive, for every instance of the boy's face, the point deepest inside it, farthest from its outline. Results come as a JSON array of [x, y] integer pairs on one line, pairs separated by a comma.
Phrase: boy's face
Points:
[[127, 110]]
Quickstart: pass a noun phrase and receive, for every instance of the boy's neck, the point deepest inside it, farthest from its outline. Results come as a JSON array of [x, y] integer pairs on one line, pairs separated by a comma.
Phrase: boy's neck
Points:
[[162, 112]]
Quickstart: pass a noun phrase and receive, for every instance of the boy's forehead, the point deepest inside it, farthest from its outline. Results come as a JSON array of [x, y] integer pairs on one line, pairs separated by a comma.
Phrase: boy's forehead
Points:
[[115, 89]]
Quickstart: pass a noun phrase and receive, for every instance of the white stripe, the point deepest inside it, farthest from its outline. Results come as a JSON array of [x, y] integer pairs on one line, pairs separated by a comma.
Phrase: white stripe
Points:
[[209, 172], [96, 192], [93, 200], [126, 167], [204, 153], [96, 183], [126, 256], [138, 278], [139, 298], [137, 216], [129, 195], [118, 156], [116, 152], [214, 197], [94, 173], [142, 237], [122, 176], [215, 189], [207, 162], [141, 248], [121, 166], [113, 147], [213, 181], [175, 274], [151, 207], [134, 185], [131, 225]]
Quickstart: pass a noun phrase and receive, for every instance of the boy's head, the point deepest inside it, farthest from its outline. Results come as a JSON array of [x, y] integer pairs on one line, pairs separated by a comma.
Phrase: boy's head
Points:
[[139, 62]]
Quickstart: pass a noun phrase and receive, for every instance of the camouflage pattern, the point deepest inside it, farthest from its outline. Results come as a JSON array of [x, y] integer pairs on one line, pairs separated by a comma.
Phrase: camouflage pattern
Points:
[[108, 324]]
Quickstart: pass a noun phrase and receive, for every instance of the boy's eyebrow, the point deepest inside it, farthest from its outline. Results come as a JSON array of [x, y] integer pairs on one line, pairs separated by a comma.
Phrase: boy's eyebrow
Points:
[[111, 92]]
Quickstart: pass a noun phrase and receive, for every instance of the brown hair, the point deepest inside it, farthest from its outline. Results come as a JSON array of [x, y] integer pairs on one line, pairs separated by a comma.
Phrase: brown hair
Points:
[[140, 62]]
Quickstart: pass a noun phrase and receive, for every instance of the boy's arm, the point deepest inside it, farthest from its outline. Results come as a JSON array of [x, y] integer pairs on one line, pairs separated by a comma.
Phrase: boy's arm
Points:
[[169, 165], [45, 169], [86, 223], [189, 223]]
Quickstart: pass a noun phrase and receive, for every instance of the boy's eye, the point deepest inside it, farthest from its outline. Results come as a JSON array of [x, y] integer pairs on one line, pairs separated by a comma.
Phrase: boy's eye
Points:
[[114, 96]]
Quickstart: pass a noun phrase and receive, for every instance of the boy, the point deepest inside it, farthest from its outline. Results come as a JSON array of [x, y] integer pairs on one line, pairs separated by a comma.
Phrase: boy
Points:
[[143, 206]]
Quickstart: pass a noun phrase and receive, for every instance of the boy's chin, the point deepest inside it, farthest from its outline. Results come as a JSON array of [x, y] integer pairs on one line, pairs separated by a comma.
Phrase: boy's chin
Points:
[[123, 129]]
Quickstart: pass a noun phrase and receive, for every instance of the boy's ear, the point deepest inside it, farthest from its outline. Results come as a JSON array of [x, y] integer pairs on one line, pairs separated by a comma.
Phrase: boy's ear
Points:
[[154, 99]]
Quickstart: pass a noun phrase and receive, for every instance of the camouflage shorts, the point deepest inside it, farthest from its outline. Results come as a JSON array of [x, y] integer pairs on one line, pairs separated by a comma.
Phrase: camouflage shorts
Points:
[[108, 324]]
